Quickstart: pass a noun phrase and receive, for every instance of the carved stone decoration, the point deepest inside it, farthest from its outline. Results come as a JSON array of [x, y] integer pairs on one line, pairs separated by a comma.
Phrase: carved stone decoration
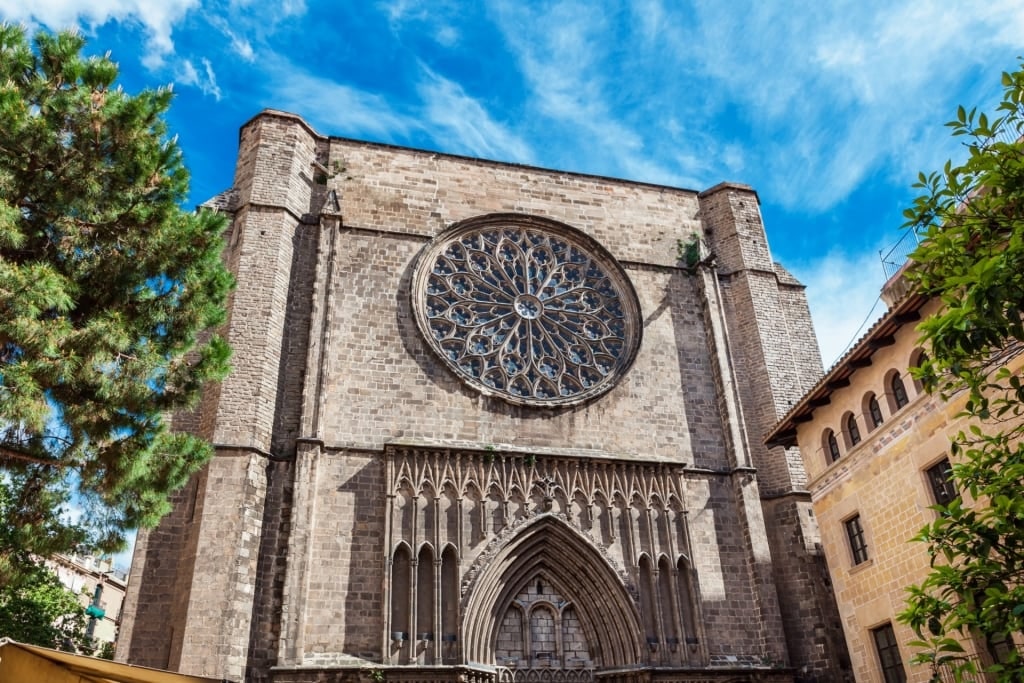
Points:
[[510, 544], [527, 309]]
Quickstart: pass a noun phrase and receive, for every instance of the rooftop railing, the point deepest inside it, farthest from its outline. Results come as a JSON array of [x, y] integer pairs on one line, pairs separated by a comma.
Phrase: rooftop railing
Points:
[[894, 258]]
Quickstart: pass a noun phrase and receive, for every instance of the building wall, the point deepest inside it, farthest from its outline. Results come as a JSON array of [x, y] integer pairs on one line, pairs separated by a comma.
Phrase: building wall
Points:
[[882, 479], [82, 575], [283, 553]]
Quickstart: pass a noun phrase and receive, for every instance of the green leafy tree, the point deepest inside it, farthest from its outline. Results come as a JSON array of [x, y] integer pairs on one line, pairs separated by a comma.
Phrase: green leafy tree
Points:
[[971, 217], [39, 610], [106, 289], [105, 651]]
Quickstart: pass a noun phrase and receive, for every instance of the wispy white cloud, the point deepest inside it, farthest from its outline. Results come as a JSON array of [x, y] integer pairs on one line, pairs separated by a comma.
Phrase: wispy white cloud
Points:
[[248, 24], [442, 111], [399, 11], [839, 91], [436, 19], [843, 294], [447, 35], [240, 45], [206, 80], [572, 85], [817, 96], [333, 106], [157, 19], [562, 66], [469, 126], [282, 8]]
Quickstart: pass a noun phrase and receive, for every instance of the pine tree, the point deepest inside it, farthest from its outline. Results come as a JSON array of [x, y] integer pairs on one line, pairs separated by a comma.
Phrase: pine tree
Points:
[[107, 292]]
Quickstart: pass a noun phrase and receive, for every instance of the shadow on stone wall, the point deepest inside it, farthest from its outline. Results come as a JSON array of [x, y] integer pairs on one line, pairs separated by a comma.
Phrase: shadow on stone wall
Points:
[[271, 567], [364, 598]]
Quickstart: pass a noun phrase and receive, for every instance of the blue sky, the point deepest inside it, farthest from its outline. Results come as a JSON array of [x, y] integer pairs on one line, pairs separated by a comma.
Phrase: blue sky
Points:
[[829, 109]]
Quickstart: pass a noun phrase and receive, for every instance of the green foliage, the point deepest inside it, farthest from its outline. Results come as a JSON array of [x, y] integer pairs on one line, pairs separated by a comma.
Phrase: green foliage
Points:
[[106, 290], [689, 251], [41, 611], [971, 218]]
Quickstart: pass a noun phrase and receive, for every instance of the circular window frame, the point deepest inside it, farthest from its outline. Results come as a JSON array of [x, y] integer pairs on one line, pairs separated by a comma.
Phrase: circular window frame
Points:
[[626, 298]]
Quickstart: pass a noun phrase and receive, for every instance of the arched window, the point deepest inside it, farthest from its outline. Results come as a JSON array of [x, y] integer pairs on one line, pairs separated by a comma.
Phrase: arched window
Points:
[[899, 391], [648, 599], [687, 607], [831, 445], [450, 604], [852, 430], [874, 412], [666, 594], [425, 602], [401, 600], [920, 359]]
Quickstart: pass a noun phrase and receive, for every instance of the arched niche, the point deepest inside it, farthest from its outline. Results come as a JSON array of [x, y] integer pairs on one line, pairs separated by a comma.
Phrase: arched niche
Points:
[[574, 569]]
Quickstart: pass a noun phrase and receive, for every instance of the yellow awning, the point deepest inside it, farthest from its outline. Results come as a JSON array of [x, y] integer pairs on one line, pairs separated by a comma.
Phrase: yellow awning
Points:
[[32, 664]]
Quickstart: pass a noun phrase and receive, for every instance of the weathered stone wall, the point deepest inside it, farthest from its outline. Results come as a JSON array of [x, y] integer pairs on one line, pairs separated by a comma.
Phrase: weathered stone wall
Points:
[[812, 624], [336, 606], [330, 370], [773, 347], [272, 563], [769, 325], [153, 612], [381, 382], [411, 192]]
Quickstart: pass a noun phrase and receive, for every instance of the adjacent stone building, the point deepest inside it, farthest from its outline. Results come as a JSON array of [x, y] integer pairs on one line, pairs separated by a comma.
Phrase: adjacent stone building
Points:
[[487, 423], [876, 449]]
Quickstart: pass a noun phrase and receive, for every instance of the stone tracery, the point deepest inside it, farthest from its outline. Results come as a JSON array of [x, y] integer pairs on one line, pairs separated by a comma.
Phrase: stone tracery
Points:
[[596, 567], [528, 310]]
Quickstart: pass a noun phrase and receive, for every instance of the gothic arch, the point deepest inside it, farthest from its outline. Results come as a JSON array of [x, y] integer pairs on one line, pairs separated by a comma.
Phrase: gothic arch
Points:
[[450, 547], [401, 545], [579, 572]]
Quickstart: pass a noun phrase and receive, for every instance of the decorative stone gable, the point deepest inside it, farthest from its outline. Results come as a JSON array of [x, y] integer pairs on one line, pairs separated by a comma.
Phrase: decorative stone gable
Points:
[[599, 537]]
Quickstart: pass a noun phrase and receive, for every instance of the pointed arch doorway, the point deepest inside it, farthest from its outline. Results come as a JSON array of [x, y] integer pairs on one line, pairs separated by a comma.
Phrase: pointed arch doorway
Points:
[[549, 607]]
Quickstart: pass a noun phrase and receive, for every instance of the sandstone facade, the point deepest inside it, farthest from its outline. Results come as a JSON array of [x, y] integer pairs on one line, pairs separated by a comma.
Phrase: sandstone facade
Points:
[[372, 511], [877, 452]]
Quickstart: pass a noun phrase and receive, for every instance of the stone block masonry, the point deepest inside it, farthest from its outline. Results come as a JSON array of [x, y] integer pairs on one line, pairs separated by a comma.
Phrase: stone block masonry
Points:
[[370, 509]]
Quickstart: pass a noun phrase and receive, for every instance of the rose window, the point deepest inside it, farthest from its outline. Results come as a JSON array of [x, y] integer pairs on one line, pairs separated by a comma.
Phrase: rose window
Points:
[[526, 309]]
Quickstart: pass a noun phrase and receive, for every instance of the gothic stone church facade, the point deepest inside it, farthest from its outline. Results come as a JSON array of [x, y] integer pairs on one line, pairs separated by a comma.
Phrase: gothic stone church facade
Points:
[[485, 423]]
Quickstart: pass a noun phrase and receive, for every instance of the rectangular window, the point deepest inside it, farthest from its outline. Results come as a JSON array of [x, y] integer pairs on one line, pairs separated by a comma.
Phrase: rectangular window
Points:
[[1000, 646], [858, 546], [940, 477], [889, 654]]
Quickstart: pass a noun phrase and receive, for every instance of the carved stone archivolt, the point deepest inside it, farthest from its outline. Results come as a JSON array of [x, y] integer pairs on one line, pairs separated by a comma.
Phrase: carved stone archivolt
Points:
[[539, 561]]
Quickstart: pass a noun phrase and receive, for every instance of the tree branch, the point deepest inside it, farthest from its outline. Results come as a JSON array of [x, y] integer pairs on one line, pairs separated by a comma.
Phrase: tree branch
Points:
[[9, 454]]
